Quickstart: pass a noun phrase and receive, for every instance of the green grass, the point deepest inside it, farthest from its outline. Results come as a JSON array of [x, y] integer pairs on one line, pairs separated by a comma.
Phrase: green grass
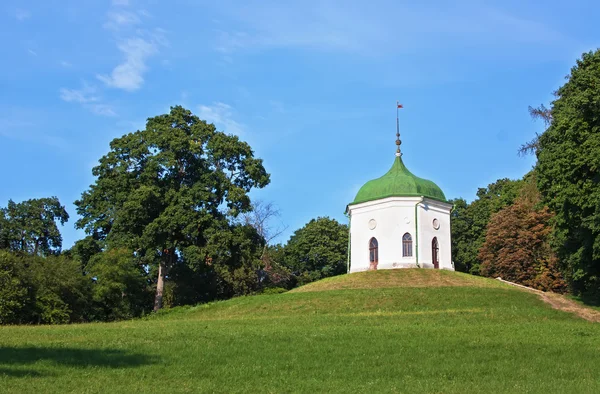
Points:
[[379, 339]]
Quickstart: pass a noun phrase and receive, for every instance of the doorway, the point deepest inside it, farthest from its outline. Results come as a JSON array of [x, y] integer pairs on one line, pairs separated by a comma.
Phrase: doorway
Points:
[[373, 254], [435, 253]]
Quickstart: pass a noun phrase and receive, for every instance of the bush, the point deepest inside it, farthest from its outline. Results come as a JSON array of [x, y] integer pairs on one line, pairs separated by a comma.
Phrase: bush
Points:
[[273, 290], [37, 290]]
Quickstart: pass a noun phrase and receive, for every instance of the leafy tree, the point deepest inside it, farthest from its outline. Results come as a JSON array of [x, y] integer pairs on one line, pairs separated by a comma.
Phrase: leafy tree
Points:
[[121, 285], [318, 250], [38, 290], [30, 226], [159, 191], [13, 291], [83, 250], [62, 294], [228, 265], [469, 221], [517, 246], [275, 273], [568, 173]]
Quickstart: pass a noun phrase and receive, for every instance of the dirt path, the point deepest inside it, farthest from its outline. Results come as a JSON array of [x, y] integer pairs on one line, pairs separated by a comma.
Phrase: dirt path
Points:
[[560, 302]]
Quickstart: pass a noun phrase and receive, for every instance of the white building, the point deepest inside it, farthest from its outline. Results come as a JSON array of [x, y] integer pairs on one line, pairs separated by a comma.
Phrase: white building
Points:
[[399, 221]]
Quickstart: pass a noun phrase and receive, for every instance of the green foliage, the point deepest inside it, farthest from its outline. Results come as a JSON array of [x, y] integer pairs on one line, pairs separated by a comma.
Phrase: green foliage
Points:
[[121, 285], [38, 290], [568, 173], [274, 290], [164, 191], [30, 226], [13, 291], [469, 221], [317, 250], [83, 250]]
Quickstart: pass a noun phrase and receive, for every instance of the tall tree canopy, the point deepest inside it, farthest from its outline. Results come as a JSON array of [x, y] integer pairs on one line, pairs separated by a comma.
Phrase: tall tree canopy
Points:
[[31, 226], [568, 173], [161, 190]]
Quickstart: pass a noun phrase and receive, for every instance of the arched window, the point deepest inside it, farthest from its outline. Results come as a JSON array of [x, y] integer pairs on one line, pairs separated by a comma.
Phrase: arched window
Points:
[[435, 253], [406, 245], [373, 251]]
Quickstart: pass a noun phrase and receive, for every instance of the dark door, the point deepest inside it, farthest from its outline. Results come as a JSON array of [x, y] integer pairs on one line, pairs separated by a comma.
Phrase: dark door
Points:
[[373, 254], [435, 253]]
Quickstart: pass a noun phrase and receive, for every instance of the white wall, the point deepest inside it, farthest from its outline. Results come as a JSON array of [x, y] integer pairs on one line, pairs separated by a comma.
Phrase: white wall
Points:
[[394, 217], [429, 210]]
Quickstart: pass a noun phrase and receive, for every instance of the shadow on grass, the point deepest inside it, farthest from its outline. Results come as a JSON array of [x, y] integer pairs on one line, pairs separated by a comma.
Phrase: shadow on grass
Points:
[[19, 373], [13, 358]]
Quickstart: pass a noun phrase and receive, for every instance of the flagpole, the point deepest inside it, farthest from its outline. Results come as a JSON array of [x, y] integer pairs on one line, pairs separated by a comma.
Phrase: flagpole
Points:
[[397, 130]]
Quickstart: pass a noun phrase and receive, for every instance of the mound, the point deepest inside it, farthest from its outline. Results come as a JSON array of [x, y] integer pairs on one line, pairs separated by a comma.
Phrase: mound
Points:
[[400, 278]]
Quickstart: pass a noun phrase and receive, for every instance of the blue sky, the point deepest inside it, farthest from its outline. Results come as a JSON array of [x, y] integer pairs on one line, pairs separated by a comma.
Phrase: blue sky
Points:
[[311, 85]]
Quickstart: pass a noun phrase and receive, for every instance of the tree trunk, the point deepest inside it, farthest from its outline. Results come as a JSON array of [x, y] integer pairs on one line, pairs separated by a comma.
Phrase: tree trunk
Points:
[[160, 285]]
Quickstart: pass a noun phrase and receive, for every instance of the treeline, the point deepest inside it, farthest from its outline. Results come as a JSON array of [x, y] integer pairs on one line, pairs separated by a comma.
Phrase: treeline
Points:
[[169, 222], [544, 230]]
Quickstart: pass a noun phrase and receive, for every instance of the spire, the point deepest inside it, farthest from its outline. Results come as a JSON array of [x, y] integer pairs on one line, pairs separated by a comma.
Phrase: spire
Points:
[[398, 142]]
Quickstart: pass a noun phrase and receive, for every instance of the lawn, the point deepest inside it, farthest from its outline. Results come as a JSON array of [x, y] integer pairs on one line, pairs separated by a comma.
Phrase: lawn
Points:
[[442, 338]]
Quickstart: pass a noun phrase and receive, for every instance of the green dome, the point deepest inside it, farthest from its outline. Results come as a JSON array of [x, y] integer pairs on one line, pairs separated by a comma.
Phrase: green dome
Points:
[[398, 182]]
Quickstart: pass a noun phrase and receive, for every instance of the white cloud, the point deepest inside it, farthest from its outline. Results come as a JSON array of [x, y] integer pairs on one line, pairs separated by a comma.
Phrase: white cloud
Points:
[[129, 74], [102, 109], [87, 97], [65, 64], [221, 115], [31, 52], [121, 19], [82, 96], [21, 14]]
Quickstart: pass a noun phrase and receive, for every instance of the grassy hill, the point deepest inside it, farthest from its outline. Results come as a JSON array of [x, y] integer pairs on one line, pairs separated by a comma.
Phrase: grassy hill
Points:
[[385, 331]]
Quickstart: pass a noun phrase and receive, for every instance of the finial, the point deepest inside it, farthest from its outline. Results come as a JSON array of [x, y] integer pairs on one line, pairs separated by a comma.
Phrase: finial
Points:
[[398, 142]]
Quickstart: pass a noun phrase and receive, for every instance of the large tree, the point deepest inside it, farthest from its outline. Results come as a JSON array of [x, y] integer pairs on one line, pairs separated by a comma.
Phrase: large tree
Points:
[[568, 173], [31, 226], [160, 190]]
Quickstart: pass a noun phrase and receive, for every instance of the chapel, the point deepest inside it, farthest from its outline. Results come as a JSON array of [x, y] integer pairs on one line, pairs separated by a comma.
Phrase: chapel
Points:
[[399, 221]]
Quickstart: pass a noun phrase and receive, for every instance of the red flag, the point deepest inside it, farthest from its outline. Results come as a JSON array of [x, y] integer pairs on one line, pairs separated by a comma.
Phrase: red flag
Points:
[[400, 106]]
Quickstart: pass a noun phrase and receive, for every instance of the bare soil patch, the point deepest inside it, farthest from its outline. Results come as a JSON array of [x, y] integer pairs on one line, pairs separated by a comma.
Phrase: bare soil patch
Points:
[[558, 301]]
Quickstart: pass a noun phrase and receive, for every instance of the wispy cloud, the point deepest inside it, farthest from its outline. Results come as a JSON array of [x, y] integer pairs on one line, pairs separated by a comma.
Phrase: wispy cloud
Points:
[[129, 75], [84, 95], [102, 109], [120, 19], [135, 43], [31, 52], [22, 14], [88, 98], [330, 25], [221, 115]]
